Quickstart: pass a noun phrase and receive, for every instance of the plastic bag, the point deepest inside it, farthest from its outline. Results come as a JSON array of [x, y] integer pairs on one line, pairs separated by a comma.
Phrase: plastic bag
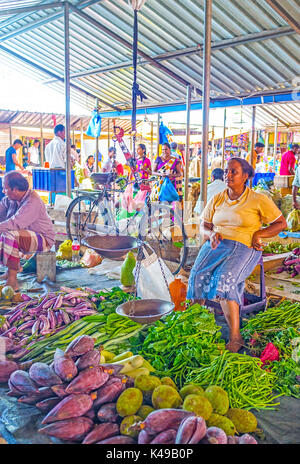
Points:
[[168, 192], [139, 200], [94, 127], [91, 258], [151, 283], [127, 199], [293, 220]]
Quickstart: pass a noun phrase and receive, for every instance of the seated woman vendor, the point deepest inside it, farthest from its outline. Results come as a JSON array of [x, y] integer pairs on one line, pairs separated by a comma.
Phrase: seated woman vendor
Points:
[[25, 226], [232, 226]]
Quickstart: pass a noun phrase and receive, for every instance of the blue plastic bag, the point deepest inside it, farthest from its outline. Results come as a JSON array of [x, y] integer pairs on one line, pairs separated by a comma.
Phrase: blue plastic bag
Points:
[[168, 192], [94, 127]]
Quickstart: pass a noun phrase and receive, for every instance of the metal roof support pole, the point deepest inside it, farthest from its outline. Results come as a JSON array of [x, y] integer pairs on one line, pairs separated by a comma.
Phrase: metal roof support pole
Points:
[[108, 134], [97, 141], [275, 4], [42, 141], [151, 146], [205, 100], [10, 134], [223, 140], [275, 144], [157, 142], [187, 151], [266, 142], [252, 139], [67, 97], [82, 160]]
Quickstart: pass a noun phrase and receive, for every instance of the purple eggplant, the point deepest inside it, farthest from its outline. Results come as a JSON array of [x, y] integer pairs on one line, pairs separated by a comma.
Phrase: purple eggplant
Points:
[[15, 316], [65, 317], [26, 325], [51, 319]]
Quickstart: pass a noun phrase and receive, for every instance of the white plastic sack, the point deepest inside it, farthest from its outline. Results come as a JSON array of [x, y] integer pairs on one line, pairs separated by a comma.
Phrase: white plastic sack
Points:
[[151, 283], [110, 268], [62, 202]]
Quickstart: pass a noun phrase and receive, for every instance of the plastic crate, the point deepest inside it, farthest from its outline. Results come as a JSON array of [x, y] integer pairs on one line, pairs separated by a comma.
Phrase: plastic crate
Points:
[[51, 180], [266, 176]]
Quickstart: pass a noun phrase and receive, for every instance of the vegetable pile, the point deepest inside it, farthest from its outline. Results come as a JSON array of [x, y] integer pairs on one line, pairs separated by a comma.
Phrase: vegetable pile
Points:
[[291, 264], [183, 340], [275, 336], [293, 220], [247, 384], [277, 247], [57, 318], [89, 402]]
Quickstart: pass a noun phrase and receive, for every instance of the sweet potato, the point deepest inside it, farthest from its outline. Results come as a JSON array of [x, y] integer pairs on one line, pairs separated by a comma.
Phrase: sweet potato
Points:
[[71, 406], [167, 437], [112, 369], [87, 380], [144, 438], [247, 439], [65, 368], [47, 404], [80, 346], [60, 390], [232, 440], [109, 392], [30, 399], [191, 431], [91, 358], [74, 429], [33, 398], [91, 414], [9, 344], [117, 440], [163, 419], [43, 375], [108, 413], [215, 436], [22, 382], [101, 432], [6, 369]]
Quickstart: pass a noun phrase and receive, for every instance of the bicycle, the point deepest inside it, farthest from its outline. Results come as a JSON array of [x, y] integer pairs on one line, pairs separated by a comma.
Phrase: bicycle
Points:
[[158, 224]]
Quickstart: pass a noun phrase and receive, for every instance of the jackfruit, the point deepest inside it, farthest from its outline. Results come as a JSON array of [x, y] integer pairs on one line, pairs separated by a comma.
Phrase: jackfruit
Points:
[[129, 402], [164, 397], [223, 422], [168, 381], [199, 405], [244, 421], [190, 389], [127, 277], [218, 399], [130, 426], [144, 411]]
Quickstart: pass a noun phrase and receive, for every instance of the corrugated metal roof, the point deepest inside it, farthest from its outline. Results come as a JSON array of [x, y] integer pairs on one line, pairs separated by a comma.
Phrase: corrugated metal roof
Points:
[[30, 119], [165, 27], [288, 114]]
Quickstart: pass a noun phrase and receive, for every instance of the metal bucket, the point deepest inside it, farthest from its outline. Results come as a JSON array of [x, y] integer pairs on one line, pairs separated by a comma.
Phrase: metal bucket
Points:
[[111, 246], [145, 311]]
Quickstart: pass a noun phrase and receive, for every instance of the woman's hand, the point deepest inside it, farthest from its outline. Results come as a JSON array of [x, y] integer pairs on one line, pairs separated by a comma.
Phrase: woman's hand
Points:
[[256, 241], [215, 239]]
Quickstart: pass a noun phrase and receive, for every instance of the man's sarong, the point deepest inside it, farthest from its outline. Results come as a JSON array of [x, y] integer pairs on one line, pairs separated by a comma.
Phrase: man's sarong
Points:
[[17, 242]]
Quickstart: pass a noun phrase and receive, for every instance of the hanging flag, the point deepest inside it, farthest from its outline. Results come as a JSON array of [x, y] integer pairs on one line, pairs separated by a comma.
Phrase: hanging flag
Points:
[[164, 134], [94, 127], [53, 117]]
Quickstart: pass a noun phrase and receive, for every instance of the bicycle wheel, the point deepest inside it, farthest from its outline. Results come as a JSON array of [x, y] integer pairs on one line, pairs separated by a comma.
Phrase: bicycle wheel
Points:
[[164, 230], [82, 211]]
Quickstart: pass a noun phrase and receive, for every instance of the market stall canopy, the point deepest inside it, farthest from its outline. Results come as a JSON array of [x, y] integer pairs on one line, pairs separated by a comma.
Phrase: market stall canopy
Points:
[[255, 48], [30, 119]]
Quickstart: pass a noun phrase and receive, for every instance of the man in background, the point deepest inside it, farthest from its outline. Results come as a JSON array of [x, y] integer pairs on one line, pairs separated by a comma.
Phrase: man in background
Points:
[[288, 161], [55, 152], [11, 161], [217, 185], [34, 154], [258, 149], [109, 162]]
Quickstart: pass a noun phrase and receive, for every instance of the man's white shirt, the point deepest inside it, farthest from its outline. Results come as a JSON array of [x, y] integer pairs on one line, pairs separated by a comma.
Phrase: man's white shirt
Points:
[[55, 153]]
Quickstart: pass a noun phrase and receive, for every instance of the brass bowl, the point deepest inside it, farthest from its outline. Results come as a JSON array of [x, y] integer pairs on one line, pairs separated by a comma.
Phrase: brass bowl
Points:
[[145, 311], [111, 246]]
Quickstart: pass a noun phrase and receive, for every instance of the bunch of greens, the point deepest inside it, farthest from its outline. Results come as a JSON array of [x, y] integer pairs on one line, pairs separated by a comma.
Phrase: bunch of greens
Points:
[[277, 247], [181, 340], [248, 385], [109, 301], [279, 325]]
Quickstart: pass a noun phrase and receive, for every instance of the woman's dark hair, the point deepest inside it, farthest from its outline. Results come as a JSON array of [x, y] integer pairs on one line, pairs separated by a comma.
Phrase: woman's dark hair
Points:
[[166, 144], [246, 167], [16, 180], [90, 156], [36, 141], [143, 147]]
